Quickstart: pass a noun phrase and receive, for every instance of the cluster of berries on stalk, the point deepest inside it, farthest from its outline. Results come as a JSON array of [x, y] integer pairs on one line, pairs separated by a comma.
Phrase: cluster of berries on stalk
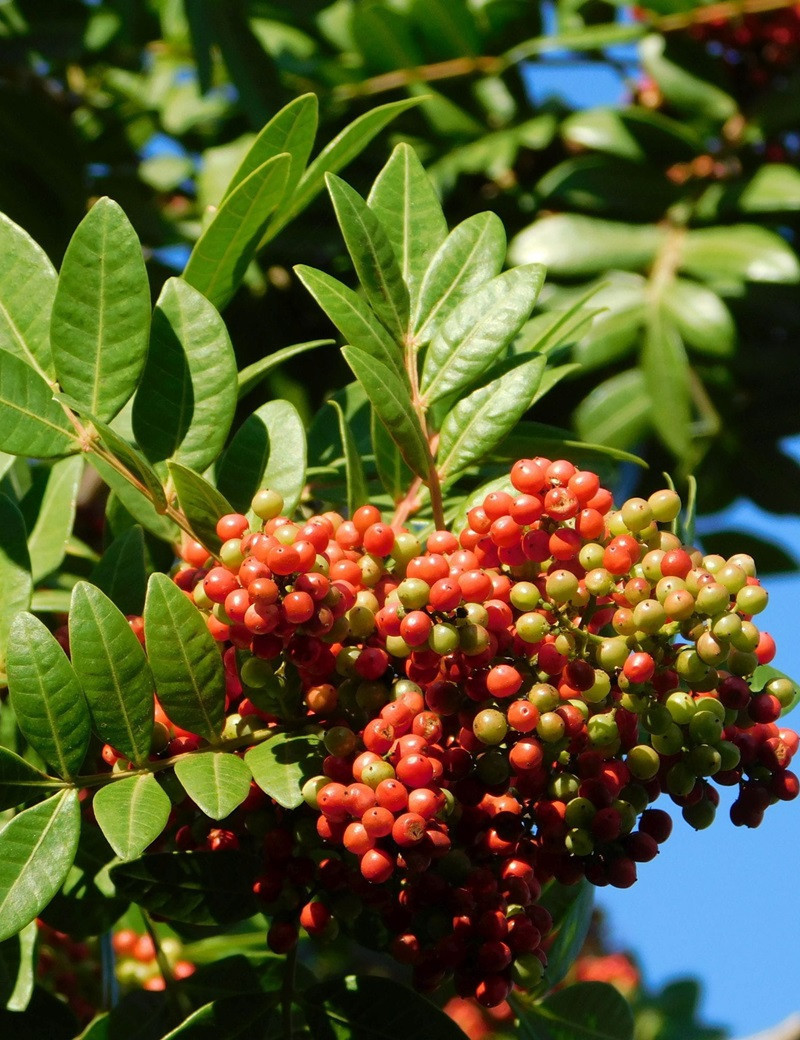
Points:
[[499, 706]]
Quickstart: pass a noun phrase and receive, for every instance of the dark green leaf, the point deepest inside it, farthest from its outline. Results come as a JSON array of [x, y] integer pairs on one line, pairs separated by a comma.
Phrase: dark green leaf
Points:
[[282, 764], [251, 1017], [772, 558], [27, 288], [201, 888], [201, 503], [101, 312], [374, 259], [667, 377], [390, 398], [185, 660], [573, 928], [528, 439], [113, 671], [701, 317], [20, 781], [46, 696], [384, 38], [132, 813], [617, 412], [685, 90], [357, 491], [18, 968], [221, 255], [609, 187], [187, 396], [251, 68], [140, 1015], [31, 423], [739, 252], [48, 540], [393, 473], [37, 848], [251, 376], [583, 1011], [15, 569], [216, 781], [631, 133], [138, 506], [572, 245], [122, 573]]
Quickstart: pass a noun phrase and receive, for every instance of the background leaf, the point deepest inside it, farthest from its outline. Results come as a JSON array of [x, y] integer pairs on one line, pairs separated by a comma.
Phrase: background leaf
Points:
[[27, 288], [20, 781], [666, 376], [282, 764], [15, 569], [48, 540], [573, 927], [132, 813], [617, 412], [217, 781], [17, 969], [251, 376], [357, 491], [570, 244], [583, 1011], [121, 571]]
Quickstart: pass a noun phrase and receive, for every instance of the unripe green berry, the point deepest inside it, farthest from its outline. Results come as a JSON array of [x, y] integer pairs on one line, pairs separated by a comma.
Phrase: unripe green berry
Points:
[[579, 842], [636, 514], [665, 505], [752, 599], [643, 761], [490, 726], [532, 627], [561, 586], [267, 504], [413, 593], [669, 742], [525, 596]]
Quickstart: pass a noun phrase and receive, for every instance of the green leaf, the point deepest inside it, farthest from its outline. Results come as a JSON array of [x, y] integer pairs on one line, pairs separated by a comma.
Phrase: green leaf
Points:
[[405, 203], [122, 573], [632, 133], [773, 188], [31, 423], [337, 154], [667, 376], [572, 931], [764, 674], [370, 1008], [478, 330], [351, 316], [223, 252], [738, 252], [253, 1017], [251, 376], [686, 91], [138, 506], [201, 888], [113, 671], [101, 312], [282, 764], [528, 439], [20, 781], [186, 399], [573, 245], [27, 288], [185, 660], [357, 491], [393, 473], [37, 848], [15, 569], [701, 317], [582, 38], [617, 412], [583, 1011], [48, 540], [132, 813], [251, 68], [612, 336], [46, 696], [201, 503], [373, 257], [17, 968], [390, 398], [471, 254], [217, 781], [480, 421]]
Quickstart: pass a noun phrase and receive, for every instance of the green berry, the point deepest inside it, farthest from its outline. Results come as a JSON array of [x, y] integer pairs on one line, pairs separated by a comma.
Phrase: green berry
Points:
[[267, 504]]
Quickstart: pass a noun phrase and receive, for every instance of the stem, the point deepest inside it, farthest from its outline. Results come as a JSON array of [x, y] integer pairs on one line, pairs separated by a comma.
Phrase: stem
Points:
[[287, 993], [178, 999], [433, 482], [407, 505]]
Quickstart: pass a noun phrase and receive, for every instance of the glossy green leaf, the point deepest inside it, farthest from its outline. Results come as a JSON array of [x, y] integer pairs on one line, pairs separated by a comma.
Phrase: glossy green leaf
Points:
[[37, 848], [46, 696], [185, 660], [122, 573], [113, 671], [357, 491], [471, 254], [478, 330], [202, 888], [18, 968], [617, 412], [186, 399], [571, 935], [685, 90], [132, 813], [216, 781], [405, 203], [27, 288], [48, 540], [393, 473], [667, 379], [351, 316], [481, 420], [742, 252], [583, 1011], [282, 764], [390, 398], [31, 423], [251, 376], [101, 312], [221, 255], [15, 569], [573, 245], [373, 257], [253, 1017], [201, 503], [701, 317], [20, 781], [631, 133]]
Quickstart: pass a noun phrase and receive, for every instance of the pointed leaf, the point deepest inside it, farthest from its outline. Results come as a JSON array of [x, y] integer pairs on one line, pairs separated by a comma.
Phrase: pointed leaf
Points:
[[122, 573], [251, 376], [480, 421], [27, 288], [201, 503], [46, 696], [583, 1011], [186, 399], [51, 532], [132, 813], [282, 764], [357, 492], [390, 399], [217, 781], [477, 332], [15, 569], [31, 423], [404, 201], [113, 671], [617, 412], [101, 312], [666, 376], [185, 660], [37, 848], [20, 781], [223, 252], [573, 928], [373, 258], [393, 473], [471, 254]]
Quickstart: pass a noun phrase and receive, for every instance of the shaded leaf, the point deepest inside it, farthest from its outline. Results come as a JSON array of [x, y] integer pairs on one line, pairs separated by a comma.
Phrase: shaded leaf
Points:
[[20, 781], [18, 969], [666, 377], [121, 572], [217, 781], [573, 927], [44, 1015], [27, 288], [631, 133], [772, 558], [131, 813], [31, 423], [393, 473], [200, 502], [251, 376], [685, 90], [701, 317], [617, 412], [138, 506], [48, 540], [529, 439], [15, 569], [282, 764], [583, 1011], [357, 491]]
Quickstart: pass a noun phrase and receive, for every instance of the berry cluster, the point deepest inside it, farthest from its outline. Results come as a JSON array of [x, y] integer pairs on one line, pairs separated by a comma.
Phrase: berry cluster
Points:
[[499, 707]]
